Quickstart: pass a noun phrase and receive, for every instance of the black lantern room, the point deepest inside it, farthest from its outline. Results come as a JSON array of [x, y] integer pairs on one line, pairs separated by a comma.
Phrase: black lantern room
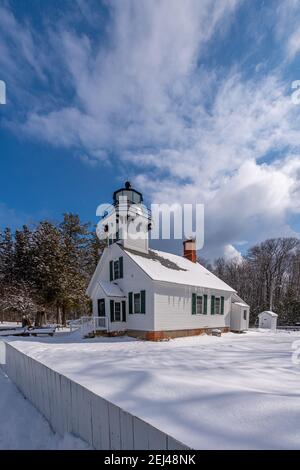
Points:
[[133, 196]]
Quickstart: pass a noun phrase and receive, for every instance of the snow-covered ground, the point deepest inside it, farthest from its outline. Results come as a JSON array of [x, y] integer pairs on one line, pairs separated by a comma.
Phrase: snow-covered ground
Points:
[[237, 391], [23, 427]]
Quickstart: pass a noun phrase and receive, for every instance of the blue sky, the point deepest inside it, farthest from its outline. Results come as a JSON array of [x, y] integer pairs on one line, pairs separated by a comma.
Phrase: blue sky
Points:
[[189, 100]]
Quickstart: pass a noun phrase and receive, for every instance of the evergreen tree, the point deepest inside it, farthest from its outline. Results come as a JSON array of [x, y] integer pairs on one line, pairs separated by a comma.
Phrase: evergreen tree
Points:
[[6, 257], [94, 250], [75, 242], [23, 255], [48, 264]]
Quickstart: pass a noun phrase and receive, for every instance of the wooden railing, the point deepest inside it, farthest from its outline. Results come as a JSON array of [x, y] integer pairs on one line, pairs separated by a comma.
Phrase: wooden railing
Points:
[[93, 324]]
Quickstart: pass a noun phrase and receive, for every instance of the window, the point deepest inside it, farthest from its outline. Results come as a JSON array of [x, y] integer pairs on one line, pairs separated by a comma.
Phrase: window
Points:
[[101, 307], [116, 269], [245, 315], [217, 305], [199, 305], [117, 311], [137, 303]]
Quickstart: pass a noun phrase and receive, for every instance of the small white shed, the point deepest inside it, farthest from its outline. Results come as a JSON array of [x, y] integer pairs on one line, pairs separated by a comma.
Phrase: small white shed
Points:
[[268, 320], [239, 318]]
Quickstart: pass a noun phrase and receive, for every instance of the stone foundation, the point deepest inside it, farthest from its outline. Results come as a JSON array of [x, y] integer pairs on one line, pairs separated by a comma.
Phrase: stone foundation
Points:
[[164, 335]]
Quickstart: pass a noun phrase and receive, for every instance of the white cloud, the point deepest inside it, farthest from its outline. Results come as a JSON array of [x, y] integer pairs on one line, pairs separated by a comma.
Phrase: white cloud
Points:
[[17, 42], [98, 157], [216, 137], [245, 197], [293, 45], [130, 94], [287, 26], [232, 254], [253, 203]]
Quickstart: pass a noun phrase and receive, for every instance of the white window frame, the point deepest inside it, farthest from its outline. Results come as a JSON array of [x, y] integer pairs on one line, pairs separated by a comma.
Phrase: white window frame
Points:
[[202, 305], [245, 315], [119, 304], [140, 302], [116, 264]]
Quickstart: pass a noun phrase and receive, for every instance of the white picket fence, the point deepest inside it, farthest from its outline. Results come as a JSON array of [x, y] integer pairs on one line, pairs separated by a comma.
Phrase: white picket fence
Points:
[[93, 324], [72, 408], [87, 324]]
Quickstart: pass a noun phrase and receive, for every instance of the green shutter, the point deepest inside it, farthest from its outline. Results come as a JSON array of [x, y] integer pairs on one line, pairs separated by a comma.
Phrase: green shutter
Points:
[[194, 304], [121, 267], [205, 304], [111, 271], [212, 305], [123, 310], [130, 301], [222, 305], [112, 316], [143, 301]]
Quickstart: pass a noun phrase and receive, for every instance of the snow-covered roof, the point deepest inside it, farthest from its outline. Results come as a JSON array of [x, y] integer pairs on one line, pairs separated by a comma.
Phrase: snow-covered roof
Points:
[[269, 312], [167, 267], [111, 289], [237, 300]]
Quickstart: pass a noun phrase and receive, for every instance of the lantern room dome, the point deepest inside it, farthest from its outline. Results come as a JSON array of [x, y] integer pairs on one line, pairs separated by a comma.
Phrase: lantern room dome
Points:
[[133, 196]]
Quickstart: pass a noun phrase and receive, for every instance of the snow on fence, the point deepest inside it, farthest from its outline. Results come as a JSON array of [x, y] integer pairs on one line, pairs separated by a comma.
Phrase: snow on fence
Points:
[[93, 324], [72, 408], [289, 328], [88, 324]]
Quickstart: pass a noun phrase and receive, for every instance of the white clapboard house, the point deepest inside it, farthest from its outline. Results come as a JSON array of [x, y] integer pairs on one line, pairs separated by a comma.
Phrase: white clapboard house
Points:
[[153, 294]]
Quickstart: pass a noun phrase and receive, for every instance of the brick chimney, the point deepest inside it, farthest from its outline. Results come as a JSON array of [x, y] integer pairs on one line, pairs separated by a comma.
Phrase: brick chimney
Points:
[[189, 250]]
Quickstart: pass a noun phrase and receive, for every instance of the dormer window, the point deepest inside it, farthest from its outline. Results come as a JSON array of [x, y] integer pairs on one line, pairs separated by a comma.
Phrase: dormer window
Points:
[[116, 269]]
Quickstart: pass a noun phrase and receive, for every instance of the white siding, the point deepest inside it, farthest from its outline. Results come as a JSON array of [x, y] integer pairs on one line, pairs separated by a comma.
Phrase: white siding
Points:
[[133, 243], [173, 308], [168, 306], [134, 280], [237, 322]]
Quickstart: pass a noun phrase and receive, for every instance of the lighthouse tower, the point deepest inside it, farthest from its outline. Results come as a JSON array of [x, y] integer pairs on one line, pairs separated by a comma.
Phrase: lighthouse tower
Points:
[[129, 221]]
